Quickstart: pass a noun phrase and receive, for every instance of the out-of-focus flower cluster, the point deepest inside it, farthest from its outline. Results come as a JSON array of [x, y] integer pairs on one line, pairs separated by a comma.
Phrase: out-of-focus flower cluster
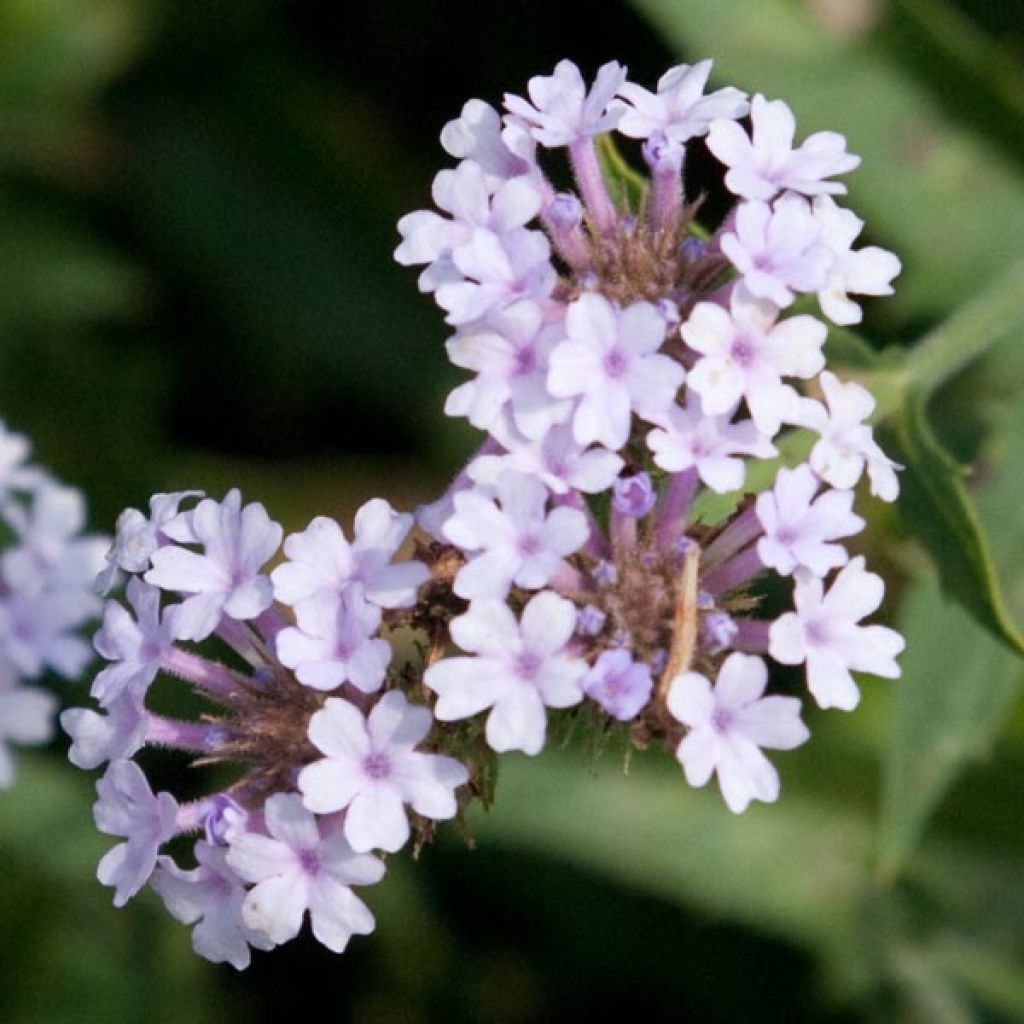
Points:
[[47, 570], [628, 365]]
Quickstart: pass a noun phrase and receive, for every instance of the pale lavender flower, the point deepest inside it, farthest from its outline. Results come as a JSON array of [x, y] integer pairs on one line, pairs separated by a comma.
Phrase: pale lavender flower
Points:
[[517, 669], [322, 560], [493, 271], [509, 353], [477, 135], [558, 460], [372, 770], [611, 361], [26, 718], [465, 194], [824, 634], [619, 684], [334, 642], [679, 108], [687, 438], [136, 648], [210, 896], [767, 164], [127, 807], [38, 630], [136, 536], [225, 579], [778, 251], [867, 271], [513, 539], [728, 726], [117, 733], [799, 529], [297, 868], [846, 445], [561, 110], [745, 353]]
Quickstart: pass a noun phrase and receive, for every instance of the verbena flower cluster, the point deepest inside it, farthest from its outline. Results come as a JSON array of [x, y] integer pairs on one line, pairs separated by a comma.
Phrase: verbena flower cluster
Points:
[[47, 569], [628, 365]]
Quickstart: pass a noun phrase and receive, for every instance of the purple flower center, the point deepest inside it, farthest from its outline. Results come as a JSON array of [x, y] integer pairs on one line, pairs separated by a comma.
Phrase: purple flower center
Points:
[[742, 352], [615, 363], [376, 766], [721, 720], [528, 545], [310, 861], [526, 665], [526, 361]]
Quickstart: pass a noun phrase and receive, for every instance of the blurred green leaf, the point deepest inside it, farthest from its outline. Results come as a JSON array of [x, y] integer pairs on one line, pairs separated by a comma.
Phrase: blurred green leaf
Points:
[[627, 185], [937, 509], [947, 203], [959, 681], [649, 831]]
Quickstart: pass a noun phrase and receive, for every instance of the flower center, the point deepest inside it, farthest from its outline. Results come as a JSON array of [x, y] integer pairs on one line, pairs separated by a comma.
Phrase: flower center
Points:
[[615, 363], [376, 766], [526, 665]]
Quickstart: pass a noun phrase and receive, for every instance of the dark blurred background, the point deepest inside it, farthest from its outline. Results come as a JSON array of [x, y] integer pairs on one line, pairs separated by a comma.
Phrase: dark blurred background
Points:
[[199, 202]]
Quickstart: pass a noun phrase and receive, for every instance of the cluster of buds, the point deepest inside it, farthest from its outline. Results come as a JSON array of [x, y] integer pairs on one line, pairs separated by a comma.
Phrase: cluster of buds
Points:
[[47, 569], [629, 365]]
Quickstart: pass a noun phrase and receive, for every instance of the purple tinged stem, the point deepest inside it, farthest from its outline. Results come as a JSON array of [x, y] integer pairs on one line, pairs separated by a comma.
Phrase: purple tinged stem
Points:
[[737, 535], [623, 530], [675, 505], [666, 197], [206, 675], [733, 573], [170, 732], [591, 183], [567, 580], [752, 635]]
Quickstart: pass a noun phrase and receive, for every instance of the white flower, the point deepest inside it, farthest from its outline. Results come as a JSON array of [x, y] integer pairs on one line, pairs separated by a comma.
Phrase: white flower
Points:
[[763, 166], [745, 353], [847, 445], [611, 361], [477, 135], [225, 579], [509, 354], [518, 542], [679, 108], [557, 460], [136, 648], [867, 271], [798, 529], [518, 669], [823, 633], [778, 251], [127, 807], [210, 897], [296, 868], [562, 111], [321, 560], [116, 734], [371, 768], [728, 726], [334, 642], [687, 438]]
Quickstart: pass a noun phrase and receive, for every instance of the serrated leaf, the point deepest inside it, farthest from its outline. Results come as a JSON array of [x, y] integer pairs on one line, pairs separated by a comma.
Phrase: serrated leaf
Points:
[[938, 510]]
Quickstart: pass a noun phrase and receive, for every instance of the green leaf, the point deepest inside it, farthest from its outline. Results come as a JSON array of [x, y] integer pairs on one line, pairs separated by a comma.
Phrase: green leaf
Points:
[[961, 677], [651, 832], [627, 185], [938, 510], [930, 188]]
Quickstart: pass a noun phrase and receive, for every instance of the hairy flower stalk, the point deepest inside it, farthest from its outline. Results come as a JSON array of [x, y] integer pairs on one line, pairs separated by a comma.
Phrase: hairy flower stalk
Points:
[[627, 364]]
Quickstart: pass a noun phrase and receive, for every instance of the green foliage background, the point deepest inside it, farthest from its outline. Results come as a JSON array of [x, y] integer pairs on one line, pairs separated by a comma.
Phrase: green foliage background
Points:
[[198, 206]]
